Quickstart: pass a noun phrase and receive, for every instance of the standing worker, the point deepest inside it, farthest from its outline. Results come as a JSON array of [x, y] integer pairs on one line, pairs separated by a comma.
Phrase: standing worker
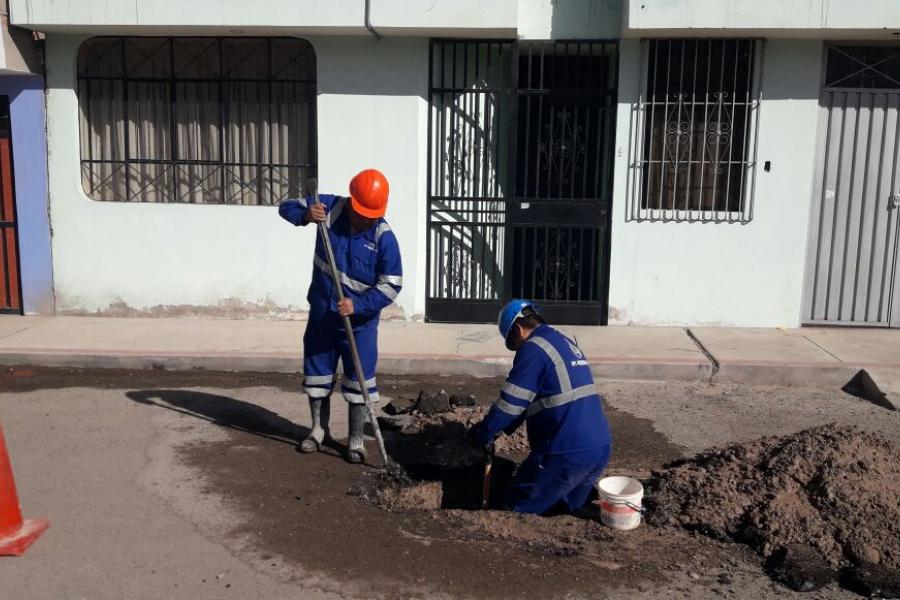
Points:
[[550, 387], [368, 258]]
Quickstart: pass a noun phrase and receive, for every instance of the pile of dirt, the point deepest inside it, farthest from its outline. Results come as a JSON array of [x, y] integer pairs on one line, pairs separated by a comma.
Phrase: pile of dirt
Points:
[[833, 489]]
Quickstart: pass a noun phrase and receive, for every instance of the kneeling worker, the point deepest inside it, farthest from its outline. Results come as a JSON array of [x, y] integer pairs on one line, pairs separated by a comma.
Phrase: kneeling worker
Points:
[[368, 258], [550, 387]]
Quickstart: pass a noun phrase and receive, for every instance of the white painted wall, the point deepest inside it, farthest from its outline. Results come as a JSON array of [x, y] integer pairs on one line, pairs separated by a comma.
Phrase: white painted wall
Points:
[[300, 17], [470, 18], [725, 274], [789, 16], [75, 15], [371, 113], [570, 19]]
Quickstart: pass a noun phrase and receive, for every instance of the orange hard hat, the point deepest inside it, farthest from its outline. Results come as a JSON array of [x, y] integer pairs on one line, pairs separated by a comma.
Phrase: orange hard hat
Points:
[[369, 193]]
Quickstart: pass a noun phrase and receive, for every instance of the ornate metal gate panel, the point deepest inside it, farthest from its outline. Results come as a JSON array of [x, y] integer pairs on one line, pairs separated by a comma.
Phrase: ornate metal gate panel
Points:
[[520, 178]]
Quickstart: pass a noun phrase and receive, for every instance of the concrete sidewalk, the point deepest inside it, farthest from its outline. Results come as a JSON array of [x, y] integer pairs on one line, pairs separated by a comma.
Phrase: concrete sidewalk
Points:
[[830, 356]]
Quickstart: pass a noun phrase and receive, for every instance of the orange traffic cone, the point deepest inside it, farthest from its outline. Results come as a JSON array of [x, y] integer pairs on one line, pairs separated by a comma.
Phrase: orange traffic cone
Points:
[[15, 534]]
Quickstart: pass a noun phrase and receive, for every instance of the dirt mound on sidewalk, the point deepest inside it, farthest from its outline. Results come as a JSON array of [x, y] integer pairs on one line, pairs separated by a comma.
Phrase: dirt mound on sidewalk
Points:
[[835, 489]]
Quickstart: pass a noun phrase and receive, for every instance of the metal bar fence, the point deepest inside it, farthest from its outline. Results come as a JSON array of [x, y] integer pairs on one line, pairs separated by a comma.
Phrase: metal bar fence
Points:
[[694, 140]]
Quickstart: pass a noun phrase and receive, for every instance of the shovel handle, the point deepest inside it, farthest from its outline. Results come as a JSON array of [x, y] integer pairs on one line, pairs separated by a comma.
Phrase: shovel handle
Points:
[[486, 481]]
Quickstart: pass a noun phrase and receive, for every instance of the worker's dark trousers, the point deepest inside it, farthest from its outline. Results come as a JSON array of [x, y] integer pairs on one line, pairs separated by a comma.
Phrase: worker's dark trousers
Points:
[[324, 343], [544, 480]]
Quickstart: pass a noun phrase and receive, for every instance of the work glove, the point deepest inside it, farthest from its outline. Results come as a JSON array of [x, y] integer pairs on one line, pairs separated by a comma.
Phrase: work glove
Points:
[[475, 435]]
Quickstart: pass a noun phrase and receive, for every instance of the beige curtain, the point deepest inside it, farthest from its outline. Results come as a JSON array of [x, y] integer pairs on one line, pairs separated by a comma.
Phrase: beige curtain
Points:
[[242, 131]]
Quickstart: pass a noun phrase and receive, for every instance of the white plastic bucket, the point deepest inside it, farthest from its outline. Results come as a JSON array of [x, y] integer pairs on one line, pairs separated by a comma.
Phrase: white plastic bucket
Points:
[[620, 502]]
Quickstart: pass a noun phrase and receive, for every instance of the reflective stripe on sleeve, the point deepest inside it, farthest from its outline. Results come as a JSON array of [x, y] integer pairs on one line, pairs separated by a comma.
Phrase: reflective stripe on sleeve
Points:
[[518, 392], [562, 398], [509, 408], [387, 290], [391, 279]]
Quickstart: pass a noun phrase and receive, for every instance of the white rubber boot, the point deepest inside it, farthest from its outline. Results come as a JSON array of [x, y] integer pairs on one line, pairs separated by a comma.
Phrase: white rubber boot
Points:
[[320, 410], [356, 450]]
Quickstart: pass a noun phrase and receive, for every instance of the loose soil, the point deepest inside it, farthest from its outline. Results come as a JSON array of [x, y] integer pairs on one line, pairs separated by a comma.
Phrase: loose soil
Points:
[[306, 510], [832, 489], [314, 509]]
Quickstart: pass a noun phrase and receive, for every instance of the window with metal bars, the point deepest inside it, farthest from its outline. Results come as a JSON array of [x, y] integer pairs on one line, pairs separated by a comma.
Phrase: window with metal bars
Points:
[[199, 120], [862, 66], [694, 150]]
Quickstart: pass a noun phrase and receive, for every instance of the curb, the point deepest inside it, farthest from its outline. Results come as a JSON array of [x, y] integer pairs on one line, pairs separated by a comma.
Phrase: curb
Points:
[[626, 368], [440, 364], [786, 374]]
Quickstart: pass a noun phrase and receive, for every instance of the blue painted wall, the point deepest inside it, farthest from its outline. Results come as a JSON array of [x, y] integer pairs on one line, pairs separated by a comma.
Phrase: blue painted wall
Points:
[[29, 147]]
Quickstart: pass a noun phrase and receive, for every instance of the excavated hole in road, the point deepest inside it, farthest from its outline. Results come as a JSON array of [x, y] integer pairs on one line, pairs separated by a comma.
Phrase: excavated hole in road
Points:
[[442, 470]]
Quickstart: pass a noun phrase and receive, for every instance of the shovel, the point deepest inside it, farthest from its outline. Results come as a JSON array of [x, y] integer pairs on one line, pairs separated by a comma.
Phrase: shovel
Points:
[[312, 185], [486, 482]]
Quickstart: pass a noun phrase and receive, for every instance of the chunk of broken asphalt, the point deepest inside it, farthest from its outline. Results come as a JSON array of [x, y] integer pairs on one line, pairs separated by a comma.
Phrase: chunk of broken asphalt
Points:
[[432, 404], [395, 422], [872, 581], [399, 406], [801, 568], [463, 400]]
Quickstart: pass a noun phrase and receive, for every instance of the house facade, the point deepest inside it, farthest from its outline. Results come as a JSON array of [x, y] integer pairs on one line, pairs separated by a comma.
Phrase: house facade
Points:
[[26, 280], [625, 162]]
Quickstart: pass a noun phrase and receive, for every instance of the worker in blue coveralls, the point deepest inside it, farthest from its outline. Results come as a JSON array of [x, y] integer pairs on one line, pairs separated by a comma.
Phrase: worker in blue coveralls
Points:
[[550, 387], [368, 258]]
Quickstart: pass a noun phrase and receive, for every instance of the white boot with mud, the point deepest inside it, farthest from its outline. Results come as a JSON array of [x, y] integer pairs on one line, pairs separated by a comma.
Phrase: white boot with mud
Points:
[[320, 411], [356, 450]]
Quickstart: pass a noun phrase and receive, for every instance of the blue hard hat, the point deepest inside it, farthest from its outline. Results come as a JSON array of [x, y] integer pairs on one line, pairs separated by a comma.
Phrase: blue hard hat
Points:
[[512, 311]]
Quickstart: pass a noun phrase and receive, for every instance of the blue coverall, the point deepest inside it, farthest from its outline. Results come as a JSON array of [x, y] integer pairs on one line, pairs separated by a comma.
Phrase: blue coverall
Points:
[[371, 276], [551, 388]]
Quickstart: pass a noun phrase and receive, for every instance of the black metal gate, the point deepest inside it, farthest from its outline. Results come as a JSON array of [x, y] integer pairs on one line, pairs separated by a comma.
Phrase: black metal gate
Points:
[[520, 178]]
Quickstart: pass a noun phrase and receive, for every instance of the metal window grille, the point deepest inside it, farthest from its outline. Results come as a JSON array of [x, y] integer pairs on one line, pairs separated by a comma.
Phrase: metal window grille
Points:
[[861, 66], [200, 120], [694, 137]]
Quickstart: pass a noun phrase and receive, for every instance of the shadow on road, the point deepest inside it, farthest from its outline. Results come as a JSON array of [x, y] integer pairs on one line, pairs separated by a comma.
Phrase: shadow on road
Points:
[[224, 412]]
